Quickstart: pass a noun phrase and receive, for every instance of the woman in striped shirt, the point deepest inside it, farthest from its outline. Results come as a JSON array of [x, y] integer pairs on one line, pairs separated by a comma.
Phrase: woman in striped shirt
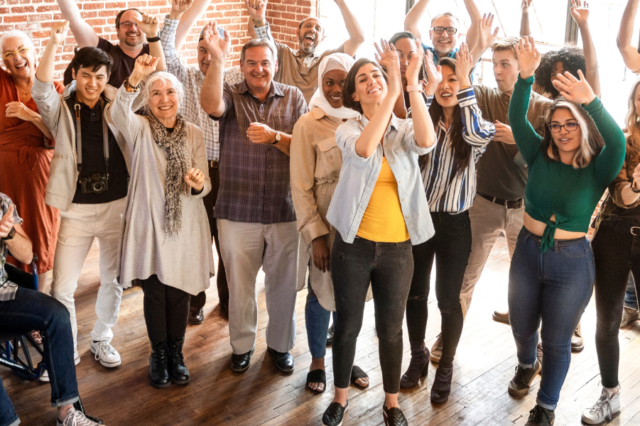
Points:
[[449, 176]]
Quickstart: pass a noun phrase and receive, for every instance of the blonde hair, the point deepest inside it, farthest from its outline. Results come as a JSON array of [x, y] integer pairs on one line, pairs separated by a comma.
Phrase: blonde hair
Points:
[[591, 142]]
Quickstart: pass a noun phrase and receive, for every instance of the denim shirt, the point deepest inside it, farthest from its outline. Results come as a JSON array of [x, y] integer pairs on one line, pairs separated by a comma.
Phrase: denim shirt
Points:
[[359, 175]]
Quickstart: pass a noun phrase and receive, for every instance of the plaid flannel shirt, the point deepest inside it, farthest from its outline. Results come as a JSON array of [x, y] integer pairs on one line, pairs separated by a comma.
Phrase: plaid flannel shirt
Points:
[[7, 288]]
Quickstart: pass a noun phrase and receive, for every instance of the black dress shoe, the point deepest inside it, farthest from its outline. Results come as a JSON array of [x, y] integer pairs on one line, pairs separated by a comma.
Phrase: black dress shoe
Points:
[[334, 414], [196, 316], [393, 416], [282, 360], [240, 363]]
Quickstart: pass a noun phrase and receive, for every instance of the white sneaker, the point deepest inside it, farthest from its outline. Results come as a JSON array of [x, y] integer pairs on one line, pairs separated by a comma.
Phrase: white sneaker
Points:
[[45, 373], [106, 354], [76, 418], [607, 407]]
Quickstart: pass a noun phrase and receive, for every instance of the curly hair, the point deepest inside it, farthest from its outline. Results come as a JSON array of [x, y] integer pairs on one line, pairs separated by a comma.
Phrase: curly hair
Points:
[[572, 59]]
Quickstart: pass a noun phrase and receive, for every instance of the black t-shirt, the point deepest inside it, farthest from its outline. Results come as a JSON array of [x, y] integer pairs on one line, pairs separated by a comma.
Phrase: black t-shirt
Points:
[[93, 156], [632, 215], [127, 63]]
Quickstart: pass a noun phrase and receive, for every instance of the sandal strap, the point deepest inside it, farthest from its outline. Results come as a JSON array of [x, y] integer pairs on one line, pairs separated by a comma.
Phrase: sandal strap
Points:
[[358, 373], [317, 376]]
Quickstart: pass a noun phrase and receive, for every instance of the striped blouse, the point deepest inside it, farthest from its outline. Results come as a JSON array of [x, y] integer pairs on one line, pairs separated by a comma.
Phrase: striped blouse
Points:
[[456, 195]]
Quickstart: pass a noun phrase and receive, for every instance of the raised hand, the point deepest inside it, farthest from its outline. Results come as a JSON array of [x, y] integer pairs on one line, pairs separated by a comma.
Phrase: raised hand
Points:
[[148, 25], [195, 179], [486, 38], [257, 9], [573, 89], [416, 60], [145, 65], [580, 12], [528, 57], [388, 58], [464, 65], [434, 75], [20, 110], [526, 4], [260, 133], [218, 47], [180, 6], [6, 223], [59, 32]]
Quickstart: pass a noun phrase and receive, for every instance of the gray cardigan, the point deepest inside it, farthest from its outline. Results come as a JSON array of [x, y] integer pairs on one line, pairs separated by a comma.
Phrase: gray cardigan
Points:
[[57, 117], [183, 260]]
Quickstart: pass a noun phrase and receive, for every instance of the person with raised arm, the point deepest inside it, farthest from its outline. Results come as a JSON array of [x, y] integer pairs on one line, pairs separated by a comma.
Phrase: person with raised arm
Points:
[[255, 214], [192, 79], [26, 150], [570, 167], [379, 210], [299, 68], [629, 53], [88, 183], [166, 243], [444, 32], [449, 175], [137, 35]]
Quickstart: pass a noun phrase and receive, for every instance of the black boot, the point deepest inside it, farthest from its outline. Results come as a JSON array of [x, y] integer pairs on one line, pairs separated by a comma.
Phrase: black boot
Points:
[[418, 367], [177, 369], [158, 361], [441, 385]]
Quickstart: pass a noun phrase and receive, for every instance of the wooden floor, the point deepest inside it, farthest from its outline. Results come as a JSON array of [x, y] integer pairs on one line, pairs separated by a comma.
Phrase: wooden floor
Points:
[[262, 396]]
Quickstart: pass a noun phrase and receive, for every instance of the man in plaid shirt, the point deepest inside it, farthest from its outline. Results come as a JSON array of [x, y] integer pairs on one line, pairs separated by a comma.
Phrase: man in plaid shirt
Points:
[[192, 79]]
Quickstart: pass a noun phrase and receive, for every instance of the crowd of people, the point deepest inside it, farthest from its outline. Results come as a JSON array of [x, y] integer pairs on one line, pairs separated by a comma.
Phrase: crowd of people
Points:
[[350, 177]]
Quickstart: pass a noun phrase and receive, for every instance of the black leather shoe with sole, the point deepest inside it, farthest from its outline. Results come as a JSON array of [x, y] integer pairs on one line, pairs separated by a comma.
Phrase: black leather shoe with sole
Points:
[[393, 416], [282, 360], [158, 365], [334, 414], [240, 363]]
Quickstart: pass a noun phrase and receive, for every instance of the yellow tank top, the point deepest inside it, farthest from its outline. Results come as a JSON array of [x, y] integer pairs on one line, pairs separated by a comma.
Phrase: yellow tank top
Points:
[[383, 221]]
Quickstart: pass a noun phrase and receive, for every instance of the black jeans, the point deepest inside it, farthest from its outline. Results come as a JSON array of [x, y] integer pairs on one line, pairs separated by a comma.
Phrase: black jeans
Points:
[[388, 268], [198, 301], [32, 310], [617, 252], [451, 248], [166, 310]]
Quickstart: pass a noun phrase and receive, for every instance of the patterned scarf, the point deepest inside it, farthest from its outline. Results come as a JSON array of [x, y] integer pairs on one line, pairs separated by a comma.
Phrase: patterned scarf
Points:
[[173, 145]]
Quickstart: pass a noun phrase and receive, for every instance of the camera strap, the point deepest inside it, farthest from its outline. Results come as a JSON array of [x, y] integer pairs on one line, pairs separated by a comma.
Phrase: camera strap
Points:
[[105, 136]]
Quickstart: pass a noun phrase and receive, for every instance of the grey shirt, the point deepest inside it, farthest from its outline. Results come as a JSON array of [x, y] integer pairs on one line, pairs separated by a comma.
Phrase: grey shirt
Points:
[[7, 288]]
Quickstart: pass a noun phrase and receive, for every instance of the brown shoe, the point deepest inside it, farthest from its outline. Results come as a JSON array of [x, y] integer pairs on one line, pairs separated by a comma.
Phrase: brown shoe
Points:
[[502, 317], [577, 344], [629, 315], [436, 350], [196, 316]]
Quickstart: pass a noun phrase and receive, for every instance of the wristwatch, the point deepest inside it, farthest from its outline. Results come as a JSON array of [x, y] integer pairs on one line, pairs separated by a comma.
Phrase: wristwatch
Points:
[[277, 138], [10, 235]]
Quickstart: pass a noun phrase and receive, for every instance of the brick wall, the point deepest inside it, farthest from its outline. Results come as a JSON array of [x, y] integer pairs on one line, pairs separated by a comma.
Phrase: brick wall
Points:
[[37, 16]]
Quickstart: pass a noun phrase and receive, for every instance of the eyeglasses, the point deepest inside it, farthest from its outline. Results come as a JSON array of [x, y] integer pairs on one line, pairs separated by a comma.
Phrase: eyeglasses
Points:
[[570, 127], [128, 24], [10, 54], [440, 30]]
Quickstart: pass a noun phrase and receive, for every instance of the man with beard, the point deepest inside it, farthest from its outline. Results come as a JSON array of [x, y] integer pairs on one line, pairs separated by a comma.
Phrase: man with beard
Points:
[[130, 24], [299, 68]]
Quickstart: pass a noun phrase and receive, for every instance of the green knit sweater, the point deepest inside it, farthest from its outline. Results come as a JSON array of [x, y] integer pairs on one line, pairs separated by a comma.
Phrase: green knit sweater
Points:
[[557, 188]]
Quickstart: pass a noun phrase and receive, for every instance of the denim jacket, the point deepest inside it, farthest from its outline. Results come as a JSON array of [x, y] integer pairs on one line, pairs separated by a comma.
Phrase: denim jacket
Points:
[[359, 175]]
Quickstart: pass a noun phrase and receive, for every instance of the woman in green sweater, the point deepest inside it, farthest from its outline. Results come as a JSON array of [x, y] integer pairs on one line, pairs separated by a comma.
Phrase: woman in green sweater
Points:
[[552, 268]]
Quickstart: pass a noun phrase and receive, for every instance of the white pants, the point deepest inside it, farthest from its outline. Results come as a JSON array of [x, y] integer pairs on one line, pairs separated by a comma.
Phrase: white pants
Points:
[[488, 221], [78, 228], [245, 247]]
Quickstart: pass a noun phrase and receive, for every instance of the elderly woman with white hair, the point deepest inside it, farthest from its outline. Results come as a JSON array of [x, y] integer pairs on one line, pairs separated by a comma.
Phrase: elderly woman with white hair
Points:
[[26, 150], [166, 241]]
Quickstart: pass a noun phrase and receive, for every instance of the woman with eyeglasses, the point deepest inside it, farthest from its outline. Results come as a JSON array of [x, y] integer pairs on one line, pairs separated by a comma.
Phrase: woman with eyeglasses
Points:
[[552, 269], [616, 253], [26, 150]]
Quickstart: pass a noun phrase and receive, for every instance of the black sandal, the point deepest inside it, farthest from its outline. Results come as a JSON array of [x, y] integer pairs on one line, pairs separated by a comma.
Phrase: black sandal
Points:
[[358, 373], [317, 376]]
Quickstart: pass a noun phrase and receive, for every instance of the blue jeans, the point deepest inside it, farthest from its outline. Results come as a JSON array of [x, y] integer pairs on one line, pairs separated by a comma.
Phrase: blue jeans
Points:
[[317, 323], [554, 287], [32, 310], [630, 298]]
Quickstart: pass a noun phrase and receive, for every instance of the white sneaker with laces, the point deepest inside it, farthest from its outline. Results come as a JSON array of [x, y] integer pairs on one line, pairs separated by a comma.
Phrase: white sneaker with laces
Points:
[[75, 418], [45, 373], [607, 407], [106, 354]]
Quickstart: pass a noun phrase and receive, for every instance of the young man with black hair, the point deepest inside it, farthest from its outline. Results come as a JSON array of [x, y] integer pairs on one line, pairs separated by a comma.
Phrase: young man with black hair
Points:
[[88, 183]]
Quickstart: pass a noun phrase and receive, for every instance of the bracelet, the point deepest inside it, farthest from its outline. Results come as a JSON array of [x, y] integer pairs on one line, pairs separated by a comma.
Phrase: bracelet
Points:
[[414, 87], [129, 87], [153, 39], [260, 23]]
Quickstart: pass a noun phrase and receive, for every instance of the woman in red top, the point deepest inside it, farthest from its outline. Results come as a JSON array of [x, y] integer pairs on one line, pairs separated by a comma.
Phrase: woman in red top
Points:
[[25, 150]]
